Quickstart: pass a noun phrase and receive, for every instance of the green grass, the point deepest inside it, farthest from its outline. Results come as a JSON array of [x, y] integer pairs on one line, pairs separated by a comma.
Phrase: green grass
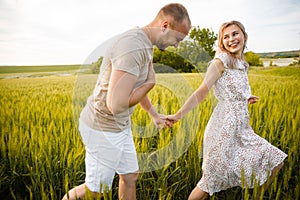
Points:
[[45, 68], [277, 71], [42, 155]]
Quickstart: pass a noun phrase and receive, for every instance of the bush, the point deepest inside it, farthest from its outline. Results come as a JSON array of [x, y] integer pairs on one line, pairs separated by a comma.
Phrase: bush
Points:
[[253, 59]]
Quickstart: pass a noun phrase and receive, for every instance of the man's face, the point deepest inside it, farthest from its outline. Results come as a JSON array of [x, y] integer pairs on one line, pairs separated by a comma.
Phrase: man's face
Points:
[[172, 36]]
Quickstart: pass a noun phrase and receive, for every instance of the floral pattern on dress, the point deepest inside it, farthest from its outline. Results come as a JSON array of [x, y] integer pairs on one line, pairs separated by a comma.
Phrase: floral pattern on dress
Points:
[[230, 146]]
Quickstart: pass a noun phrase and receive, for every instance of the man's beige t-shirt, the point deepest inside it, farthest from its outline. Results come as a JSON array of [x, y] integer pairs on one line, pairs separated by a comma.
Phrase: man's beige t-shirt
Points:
[[131, 52]]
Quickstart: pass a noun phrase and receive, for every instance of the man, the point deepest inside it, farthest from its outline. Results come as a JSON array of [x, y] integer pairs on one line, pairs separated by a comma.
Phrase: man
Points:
[[126, 77]]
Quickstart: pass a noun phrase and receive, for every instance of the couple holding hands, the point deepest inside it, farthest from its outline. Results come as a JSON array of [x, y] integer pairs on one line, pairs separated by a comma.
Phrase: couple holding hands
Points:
[[230, 146]]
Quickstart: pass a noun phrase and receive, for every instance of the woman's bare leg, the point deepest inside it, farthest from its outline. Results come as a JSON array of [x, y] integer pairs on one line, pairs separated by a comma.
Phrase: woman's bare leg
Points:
[[269, 181], [198, 194]]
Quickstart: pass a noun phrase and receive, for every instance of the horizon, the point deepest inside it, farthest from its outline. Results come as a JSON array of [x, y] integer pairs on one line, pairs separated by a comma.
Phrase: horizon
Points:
[[80, 64]]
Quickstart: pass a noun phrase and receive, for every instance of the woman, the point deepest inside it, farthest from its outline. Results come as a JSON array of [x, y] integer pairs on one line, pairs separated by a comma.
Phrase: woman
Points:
[[232, 153]]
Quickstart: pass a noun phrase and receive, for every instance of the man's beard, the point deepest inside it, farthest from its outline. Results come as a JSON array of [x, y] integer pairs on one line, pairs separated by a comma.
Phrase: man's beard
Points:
[[161, 47]]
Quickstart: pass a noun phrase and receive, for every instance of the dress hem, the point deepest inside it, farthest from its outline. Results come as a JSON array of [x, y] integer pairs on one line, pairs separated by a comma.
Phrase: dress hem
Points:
[[251, 187]]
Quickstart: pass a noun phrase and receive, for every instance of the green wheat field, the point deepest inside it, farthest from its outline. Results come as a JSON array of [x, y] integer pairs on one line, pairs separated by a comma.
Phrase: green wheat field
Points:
[[42, 156]]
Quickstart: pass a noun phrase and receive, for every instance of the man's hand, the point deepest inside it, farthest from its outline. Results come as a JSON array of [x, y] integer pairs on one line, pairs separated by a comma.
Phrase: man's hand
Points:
[[159, 121]]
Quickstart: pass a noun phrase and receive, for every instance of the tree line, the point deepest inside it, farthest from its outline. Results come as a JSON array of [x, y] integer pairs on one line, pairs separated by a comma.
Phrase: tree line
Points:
[[192, 54]]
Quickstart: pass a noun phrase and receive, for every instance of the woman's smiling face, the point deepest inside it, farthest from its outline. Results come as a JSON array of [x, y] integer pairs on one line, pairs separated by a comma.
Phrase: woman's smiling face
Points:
[[233, 39]]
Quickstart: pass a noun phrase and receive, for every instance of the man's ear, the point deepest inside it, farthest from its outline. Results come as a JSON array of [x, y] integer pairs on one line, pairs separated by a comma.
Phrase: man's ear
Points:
[[164, 25]]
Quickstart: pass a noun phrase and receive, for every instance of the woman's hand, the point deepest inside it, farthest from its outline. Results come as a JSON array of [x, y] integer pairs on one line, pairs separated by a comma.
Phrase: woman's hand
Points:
[[253, 99], [172, 118]]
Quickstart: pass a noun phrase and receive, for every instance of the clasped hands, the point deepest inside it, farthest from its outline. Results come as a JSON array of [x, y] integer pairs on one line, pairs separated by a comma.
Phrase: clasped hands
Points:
[[163, 121]]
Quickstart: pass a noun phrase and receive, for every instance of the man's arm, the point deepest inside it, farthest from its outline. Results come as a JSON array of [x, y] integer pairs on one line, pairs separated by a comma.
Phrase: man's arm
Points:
[[121, 92], [158, 119]]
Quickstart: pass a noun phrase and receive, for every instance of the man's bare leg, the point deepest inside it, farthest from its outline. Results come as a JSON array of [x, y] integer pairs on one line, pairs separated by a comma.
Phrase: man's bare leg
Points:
[[127, 186], [79, 192]]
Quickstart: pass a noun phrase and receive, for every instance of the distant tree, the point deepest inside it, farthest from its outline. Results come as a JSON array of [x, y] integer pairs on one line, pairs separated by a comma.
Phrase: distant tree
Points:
[[253, 59], [169, 61], [271, 63], [204, 38], [192, 52], [198, 48], [95, 67]]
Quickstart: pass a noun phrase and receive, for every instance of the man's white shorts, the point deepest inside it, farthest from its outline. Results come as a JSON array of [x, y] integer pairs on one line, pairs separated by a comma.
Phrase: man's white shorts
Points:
[[107, 153]]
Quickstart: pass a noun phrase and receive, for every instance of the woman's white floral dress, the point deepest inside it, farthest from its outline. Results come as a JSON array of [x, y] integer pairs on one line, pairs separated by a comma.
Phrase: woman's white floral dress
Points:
[[230, 146]]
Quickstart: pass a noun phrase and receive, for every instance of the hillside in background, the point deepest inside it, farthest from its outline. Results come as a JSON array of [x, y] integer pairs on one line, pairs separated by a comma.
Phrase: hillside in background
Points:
[[280, 54]]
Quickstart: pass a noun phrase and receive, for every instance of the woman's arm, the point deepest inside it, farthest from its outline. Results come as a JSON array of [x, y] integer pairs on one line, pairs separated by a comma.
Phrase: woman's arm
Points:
[[214, 72]]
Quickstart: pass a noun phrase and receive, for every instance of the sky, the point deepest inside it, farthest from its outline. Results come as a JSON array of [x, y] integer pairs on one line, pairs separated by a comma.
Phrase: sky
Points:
[[48, 32]]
